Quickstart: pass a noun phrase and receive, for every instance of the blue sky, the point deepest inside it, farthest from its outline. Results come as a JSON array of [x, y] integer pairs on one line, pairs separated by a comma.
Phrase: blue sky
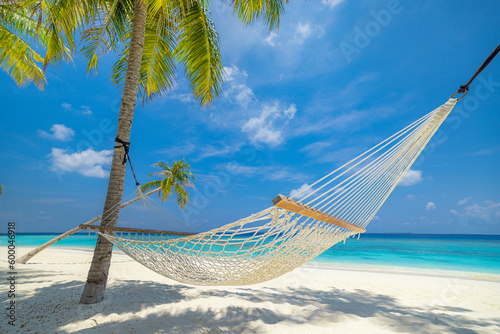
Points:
[[337, 78]]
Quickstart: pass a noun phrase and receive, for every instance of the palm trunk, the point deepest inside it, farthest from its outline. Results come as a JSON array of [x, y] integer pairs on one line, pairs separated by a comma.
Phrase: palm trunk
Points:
[[99, 269]]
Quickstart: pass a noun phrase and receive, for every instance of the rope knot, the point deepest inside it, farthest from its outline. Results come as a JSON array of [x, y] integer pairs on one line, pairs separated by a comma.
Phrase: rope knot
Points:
[[463, 89], [126, 146]]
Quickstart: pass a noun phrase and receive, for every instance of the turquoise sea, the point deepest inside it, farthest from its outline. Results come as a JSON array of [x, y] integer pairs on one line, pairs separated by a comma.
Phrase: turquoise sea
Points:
[[473, 253]]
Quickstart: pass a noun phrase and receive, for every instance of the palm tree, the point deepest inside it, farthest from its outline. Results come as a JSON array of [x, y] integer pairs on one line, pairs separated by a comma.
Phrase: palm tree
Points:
[[1, 190], [175, 178], [158, 36], [151, 37]]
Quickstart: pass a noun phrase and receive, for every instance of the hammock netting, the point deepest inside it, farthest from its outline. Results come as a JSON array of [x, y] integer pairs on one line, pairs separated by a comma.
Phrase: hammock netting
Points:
[[275, 241]]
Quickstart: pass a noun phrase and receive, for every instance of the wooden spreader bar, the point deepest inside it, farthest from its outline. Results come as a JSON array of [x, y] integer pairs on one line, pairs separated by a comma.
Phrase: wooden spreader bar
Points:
[[130, 229], [289, 204]]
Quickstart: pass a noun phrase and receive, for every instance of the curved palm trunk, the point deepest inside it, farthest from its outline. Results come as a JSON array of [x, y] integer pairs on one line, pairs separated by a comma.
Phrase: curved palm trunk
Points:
[[99, 269]]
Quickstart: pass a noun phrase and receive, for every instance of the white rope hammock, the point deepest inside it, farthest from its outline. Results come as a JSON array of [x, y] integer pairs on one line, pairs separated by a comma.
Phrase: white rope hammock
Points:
[[282, 237]]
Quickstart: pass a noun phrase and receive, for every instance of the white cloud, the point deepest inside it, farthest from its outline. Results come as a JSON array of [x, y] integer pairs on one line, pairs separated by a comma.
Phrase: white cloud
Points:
[[324, 152], [233, 73], [178, 151], [209, 151], [430, 206], [44, 215], [66, 106], [302, 192], [464, 201], [266, 128], [302, 33], [321, 33], [238, 169], [290, 111], [411, 178], [315, 149], [183, 97], [487, 151], [87, 163], [332, 3], [196, 151], [52, 201], [59, 132], [489, 212], [410, 197], [84, 110], [268, 172], [236, 88], [271, 39], [243, 95], [295, 37], [242, 113]]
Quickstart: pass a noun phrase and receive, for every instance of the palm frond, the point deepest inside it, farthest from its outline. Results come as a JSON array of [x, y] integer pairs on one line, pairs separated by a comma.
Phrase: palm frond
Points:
[[250, 10], [62, 20], [171, 8], [151, 185], [19, 38], [166, 187], [182, 196], [106, 33], [18, 59], [162, 165], [198, 51], [157, 72]]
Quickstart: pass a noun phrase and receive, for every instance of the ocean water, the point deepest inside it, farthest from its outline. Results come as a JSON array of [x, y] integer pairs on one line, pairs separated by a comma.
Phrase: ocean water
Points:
[[472, 253], [77, 240]]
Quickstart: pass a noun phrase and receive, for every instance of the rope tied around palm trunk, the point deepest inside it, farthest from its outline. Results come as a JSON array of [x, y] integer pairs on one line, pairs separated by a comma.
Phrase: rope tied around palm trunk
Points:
[[126, 156]]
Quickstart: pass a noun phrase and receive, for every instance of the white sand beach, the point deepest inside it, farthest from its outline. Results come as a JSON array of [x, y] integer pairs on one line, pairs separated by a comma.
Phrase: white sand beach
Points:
[[307, 300]]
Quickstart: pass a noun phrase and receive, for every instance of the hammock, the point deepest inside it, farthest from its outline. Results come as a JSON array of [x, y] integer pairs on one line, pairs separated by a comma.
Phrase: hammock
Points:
[[286, 235]]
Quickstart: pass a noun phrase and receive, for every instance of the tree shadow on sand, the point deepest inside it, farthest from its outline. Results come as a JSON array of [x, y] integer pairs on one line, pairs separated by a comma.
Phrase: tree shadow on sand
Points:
[[311, 306]]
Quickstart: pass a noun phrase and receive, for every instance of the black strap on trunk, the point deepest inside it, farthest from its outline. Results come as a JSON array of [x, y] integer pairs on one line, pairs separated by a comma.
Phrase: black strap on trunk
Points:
[[126, 146]]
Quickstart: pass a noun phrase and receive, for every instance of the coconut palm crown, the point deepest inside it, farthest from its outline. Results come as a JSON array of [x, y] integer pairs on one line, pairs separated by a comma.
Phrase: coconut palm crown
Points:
[[175, 178]]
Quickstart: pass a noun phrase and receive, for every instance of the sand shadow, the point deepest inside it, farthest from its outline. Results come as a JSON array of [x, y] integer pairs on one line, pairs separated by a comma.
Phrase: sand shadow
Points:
[[313, 306]]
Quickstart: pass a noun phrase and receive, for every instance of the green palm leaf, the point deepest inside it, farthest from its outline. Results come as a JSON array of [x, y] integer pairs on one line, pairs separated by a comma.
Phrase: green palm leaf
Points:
[[18, 59], [270, 11], [157, 65], [62, 20], [198, 51], [106, 33]]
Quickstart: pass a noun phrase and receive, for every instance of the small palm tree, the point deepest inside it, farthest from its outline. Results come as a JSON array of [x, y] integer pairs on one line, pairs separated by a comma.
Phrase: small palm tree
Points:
[[175, 179], [1, 190]]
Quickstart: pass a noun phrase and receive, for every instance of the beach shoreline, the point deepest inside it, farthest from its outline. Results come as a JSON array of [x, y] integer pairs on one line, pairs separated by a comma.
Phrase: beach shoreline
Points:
[[310, 299], [425, 272], [328, 265]]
